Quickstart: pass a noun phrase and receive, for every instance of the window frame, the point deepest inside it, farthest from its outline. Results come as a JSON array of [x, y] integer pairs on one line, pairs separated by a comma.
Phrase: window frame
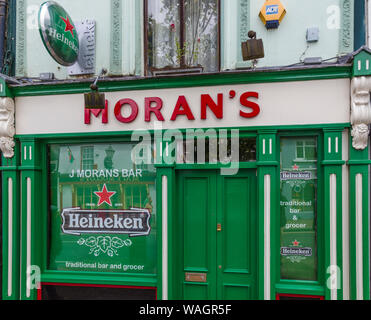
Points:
[[85, 160], [147, 71], [306, 287]]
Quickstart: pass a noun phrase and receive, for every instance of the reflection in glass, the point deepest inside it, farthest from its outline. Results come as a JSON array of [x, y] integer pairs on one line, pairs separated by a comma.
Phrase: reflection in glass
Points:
[[183, 33], [78, 176]]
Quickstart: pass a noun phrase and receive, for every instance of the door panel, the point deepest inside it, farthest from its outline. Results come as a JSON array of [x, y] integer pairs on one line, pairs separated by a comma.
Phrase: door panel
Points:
[[236, 225], [237, 292], [227, 257], [199, 215], [237, 241]]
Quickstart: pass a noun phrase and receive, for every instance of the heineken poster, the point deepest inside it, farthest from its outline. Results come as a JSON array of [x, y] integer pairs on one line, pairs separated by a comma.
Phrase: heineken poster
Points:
[[103, 210], [298, 211]]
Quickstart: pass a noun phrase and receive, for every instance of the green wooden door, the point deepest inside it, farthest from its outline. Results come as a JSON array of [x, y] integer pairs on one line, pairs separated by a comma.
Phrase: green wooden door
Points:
[[216, 235]]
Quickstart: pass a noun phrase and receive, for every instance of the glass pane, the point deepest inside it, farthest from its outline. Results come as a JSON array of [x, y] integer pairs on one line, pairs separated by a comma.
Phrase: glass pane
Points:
[[213, 150], [102, 215], [201, 33], [163, 33], [298, 209], [247, 149]]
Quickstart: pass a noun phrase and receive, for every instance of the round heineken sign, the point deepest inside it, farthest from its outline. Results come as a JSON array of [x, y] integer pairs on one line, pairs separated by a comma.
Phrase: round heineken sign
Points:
[[58, 33]]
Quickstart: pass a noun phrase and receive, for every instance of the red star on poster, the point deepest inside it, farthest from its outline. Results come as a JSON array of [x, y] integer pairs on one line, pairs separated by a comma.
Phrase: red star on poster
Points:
[[69, 26], [295, 243], [295, 167], [105, 196]]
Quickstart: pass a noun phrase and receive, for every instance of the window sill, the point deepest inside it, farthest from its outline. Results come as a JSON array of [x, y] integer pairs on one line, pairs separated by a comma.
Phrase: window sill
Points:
[[176, 71]]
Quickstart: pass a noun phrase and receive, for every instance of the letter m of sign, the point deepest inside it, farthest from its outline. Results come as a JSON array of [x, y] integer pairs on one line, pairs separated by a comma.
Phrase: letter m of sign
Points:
[[96, 113]]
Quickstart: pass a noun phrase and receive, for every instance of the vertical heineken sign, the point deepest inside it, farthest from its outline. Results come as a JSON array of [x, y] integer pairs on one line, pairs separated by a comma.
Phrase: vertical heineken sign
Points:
[[298, 232], [58, 33]]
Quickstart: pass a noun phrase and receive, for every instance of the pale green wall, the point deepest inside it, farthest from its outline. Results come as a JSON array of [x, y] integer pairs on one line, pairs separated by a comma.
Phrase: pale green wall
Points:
[[123, 54], [32, 57], [285, 45]]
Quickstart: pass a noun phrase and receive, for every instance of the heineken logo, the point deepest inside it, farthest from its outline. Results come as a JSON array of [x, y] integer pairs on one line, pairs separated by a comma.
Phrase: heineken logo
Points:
[[134, 222], [294, 175], [69, 26], [291, 251], [104, 196], [58, 33]]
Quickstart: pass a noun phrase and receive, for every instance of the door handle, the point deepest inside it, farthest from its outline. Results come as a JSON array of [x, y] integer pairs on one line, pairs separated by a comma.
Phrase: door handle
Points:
[[219, 227]]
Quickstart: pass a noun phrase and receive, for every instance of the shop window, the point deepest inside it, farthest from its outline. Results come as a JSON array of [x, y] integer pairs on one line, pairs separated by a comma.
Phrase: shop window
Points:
[[298, 209], [182, 34], [102, 212]]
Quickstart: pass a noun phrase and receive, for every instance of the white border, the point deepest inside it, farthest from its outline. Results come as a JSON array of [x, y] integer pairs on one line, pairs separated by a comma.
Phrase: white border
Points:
[[28, 254], [165, 294], [267, 247], [333, 260], [359, 233], [10, 236]]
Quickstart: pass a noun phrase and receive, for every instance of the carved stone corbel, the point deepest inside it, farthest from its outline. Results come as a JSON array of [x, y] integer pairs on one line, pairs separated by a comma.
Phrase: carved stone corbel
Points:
[[360, 111], [7, 129]]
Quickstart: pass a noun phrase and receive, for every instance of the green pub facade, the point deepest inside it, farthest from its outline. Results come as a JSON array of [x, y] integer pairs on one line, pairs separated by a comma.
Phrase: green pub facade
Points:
[[243, 184]]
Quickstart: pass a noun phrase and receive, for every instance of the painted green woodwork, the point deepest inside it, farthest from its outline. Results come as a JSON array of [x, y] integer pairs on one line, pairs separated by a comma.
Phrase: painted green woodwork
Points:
[[99, 279], [267, 164], [362, 63], [168, 172], [359, 164], [30, 175], [332, 165], [222, 78], [228, 257], [77, 172], [11, 235], [4, 90]]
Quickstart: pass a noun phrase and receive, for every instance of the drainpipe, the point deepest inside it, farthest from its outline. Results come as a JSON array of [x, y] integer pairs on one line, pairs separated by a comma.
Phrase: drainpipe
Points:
[[3, 10]]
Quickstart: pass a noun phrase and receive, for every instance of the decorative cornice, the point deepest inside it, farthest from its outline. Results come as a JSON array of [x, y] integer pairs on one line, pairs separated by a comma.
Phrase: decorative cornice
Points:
[[360, 111], [7, 129]]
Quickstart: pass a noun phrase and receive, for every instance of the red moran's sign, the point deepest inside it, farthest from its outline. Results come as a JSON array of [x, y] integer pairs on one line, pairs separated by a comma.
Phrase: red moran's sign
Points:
[[153, 108]]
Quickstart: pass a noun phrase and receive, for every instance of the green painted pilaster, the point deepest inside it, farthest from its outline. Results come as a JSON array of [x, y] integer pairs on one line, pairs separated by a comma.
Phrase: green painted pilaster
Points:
[[359, 224], [165, 168], [332, 176], [267, 217], [30, 182], [169, 173], [11, 231]]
